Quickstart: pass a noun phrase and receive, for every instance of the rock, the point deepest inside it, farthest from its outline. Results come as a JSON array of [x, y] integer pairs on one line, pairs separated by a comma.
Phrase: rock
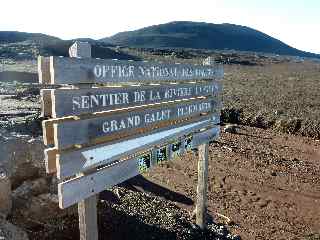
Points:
[[5, 193], [22, 159], [29, 188], [23, 172], [45, 203], [235, 237], [9, 231], [263, 203], [230, 128]]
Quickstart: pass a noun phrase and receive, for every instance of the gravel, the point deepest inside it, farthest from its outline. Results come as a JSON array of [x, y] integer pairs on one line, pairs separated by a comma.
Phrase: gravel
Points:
[[127, 214], [149, 217]]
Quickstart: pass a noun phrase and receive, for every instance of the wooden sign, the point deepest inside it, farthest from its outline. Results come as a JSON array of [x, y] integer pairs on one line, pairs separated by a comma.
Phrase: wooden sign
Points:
[[71, 102], [76, 70], [110, 120], [105, 154], [69, 133], [73, 191]]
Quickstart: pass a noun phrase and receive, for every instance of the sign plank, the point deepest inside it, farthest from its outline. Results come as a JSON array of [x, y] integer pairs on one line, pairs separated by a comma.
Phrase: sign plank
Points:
[[67, 134], [71, 163], [50, 159], [74, 190], [75, 71], [44, 70], [70, 102], [46, 103], [205, 137], [51, 153]]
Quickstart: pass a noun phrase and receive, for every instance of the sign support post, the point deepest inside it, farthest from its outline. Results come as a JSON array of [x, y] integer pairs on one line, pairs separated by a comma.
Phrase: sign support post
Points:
[[201, 204], [88, 225], [201, 207], [87, 208]]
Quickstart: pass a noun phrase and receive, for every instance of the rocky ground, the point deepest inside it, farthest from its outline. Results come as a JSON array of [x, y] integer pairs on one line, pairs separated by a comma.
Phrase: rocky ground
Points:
[[267, 184], [262, 185]]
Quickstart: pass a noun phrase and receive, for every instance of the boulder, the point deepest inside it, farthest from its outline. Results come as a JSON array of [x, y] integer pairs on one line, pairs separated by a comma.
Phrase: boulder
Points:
[[230, 128], [45, 206], [21, 158], [32, 187]]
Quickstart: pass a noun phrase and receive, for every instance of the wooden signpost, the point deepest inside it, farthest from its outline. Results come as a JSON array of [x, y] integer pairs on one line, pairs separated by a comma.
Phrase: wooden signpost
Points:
[[112, 120]]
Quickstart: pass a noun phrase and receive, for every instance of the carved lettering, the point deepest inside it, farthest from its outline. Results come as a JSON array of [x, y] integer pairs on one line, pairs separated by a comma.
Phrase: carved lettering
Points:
[[113, 99], [158, 116], [117, 125], [154, 116], [103, 100]]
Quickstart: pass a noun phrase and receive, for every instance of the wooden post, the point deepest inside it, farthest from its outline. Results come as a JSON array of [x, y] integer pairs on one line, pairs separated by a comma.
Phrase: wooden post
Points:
[[88, 225], [201, 207], [87, 209]]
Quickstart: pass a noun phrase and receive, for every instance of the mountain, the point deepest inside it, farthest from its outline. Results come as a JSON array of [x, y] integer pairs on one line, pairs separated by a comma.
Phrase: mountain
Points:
[[15, 37], [26, 46], [199, 35]]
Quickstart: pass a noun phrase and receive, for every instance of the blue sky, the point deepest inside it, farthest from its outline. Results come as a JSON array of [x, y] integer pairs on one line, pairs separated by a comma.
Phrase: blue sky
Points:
[[296, 23]]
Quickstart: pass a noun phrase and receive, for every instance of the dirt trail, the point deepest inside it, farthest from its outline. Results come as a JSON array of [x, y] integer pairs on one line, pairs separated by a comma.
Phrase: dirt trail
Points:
[[267, 184]]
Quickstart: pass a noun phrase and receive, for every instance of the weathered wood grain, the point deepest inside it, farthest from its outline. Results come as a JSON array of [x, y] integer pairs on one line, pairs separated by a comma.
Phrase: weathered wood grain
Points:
[[51, 153], [50, 160], [88, 217], [67, 134], [46, 103], [48, 131], [87, 208], [201, 204], [71, 163], [70, 102], [74, 71], [44, 70], [74, 190]]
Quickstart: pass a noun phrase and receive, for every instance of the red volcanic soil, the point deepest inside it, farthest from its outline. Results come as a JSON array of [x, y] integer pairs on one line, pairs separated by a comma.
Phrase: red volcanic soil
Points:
[[267, 184]]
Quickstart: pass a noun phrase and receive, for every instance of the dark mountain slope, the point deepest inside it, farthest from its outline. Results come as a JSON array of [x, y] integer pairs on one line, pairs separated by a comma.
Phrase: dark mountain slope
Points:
[[204, 36], [24, 46], [15, 37]]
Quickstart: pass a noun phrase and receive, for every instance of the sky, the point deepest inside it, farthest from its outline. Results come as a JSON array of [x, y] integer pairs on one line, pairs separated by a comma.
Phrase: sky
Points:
[[295, 22]]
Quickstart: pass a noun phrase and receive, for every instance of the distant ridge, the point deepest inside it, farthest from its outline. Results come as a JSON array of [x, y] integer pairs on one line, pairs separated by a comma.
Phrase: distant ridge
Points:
[[15, 37], [181, 34], [199, 35], [25, 46]]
